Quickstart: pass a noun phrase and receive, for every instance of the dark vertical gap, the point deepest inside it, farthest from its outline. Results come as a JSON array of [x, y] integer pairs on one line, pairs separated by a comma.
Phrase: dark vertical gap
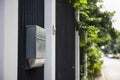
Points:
[[31, 17], [33, 10], [65, 42], [37, 11], [25, 12], [82, 60], [28, 14], [42, 14], [21, 41]]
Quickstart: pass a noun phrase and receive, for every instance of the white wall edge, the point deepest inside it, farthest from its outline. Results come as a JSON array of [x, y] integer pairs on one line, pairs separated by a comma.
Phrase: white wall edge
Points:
[[10, 39], [77, 56], [1, 38]]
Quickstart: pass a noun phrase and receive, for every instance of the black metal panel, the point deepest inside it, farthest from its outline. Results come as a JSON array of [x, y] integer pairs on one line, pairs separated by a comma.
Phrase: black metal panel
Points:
[[65, 41], [70, 42], [31, 12], [35, 74], [60, 43]]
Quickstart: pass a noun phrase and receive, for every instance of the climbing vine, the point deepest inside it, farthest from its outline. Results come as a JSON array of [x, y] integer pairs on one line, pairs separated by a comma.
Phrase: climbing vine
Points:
[[98, 26]]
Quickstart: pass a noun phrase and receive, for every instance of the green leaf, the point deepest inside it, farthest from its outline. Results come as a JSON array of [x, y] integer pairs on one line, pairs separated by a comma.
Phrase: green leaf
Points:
[[76, 5], [84, 14], [83, 1]]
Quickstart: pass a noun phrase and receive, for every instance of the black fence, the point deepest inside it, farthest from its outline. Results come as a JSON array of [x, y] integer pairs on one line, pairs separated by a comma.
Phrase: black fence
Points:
[[65, 41], [31, 12]]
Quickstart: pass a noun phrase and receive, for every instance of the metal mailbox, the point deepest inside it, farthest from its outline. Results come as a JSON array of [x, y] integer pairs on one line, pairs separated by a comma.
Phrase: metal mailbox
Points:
[[35, 46]]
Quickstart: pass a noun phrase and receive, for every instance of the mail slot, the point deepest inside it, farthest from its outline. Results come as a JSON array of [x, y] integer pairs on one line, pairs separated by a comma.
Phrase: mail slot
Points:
[[35, 46]]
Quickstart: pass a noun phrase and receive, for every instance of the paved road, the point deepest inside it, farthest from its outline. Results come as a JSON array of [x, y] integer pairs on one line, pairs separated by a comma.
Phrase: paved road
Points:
[[111, 69]]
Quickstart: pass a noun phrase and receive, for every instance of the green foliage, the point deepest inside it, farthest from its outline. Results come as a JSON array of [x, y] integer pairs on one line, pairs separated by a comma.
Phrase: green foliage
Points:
[[98, 26], [77, 3], [83, 1], [118, 42], [94, 52], [95, 27], [94, 63], [114, 44]]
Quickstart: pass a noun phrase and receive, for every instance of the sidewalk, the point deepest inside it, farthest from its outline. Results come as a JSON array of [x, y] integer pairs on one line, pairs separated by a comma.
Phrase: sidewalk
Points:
[[99, 78]]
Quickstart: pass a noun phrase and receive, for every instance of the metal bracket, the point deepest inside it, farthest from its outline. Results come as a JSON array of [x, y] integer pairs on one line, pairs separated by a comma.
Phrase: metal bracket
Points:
[[54, 29]]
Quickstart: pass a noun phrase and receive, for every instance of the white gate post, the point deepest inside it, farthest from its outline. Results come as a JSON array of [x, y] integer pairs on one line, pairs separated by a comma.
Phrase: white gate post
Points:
[[77, 56], [10, 39], [1, 38], [77, 49], [49, 69]]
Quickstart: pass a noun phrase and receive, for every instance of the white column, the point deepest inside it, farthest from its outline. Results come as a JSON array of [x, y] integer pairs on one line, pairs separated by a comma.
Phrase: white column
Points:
[[77, 56], [77, 48], [1, 38], [49, 70], [10, 39]]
